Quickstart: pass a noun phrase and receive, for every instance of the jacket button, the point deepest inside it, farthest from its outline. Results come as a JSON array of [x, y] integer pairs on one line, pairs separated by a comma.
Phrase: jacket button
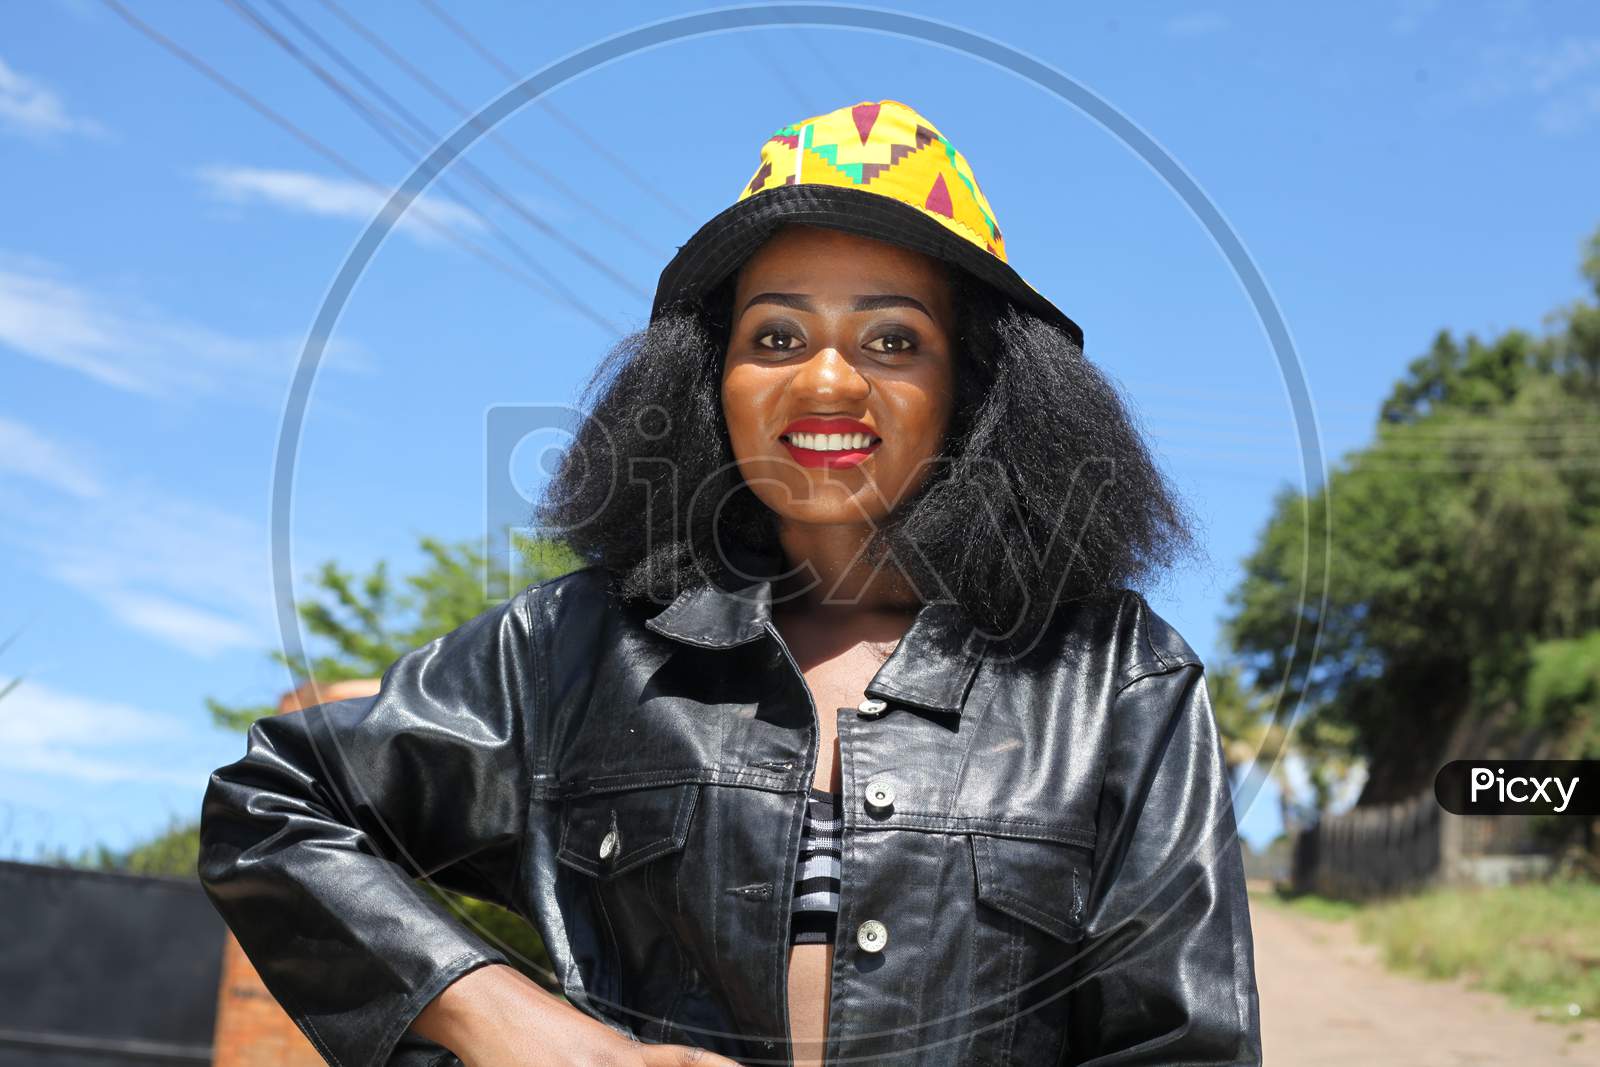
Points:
[[880, 795], [872, 935], [871, 706]]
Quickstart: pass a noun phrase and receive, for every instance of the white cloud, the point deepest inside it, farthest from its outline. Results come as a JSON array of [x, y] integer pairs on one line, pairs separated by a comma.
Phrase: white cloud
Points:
[[1560, 79], [190, 575], [1570, 112], [129, 345], [1196, 23], [1566, 60], [338, 198], [1568, 77], [28, 107], [136, 349], [28, 454], [48, 730], [187, 574], [196, 630]]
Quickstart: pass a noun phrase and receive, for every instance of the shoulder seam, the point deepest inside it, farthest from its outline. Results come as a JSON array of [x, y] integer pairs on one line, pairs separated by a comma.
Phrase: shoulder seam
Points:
[[1153, 659], [1140, 671]]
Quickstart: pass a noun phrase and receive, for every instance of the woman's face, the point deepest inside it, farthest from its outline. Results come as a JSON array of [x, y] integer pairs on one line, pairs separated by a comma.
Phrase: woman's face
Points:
[[839, 378]]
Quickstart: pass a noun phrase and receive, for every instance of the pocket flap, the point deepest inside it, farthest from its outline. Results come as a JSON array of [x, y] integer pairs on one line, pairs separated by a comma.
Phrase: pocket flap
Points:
[[1043, 883], [607, 834]]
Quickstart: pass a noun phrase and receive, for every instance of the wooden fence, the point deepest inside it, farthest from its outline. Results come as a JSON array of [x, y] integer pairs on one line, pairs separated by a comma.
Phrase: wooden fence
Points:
[[1386, 849]]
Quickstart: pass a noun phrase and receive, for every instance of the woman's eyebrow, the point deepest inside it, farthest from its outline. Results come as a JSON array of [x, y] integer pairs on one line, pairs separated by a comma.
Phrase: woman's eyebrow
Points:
[[801, 302]]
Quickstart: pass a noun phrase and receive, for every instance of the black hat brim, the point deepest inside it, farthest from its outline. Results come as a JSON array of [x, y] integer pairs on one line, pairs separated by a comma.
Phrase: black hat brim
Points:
[[719, 247]]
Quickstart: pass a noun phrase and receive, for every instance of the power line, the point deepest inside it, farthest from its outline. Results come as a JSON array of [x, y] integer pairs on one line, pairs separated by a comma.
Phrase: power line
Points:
[[506, 145], [802, 102], [378, 121], [617, 163], [823, 60], [340, 161], [467, 167]]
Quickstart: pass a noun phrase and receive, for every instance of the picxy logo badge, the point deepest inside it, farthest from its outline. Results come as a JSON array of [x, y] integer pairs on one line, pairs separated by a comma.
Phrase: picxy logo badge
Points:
[[1519, 787]]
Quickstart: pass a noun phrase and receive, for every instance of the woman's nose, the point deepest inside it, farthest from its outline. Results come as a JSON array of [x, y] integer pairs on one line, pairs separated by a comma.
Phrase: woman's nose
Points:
[[828, 375]]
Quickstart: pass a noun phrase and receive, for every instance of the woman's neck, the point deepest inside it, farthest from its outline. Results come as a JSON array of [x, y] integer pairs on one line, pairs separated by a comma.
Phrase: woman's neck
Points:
[[833, 578]]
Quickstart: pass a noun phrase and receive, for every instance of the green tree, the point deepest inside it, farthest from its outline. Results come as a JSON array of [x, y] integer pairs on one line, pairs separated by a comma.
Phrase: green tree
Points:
[[1253, 735], [1465, 535], [172, 853], [1563, 692], [361, 624]]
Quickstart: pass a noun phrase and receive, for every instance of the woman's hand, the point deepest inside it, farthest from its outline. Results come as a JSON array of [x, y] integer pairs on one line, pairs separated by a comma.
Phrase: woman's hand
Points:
[[496, 1016]]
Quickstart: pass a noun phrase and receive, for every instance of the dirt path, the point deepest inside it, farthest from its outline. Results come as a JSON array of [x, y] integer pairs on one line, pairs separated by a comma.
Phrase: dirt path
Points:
[[1326, 999]]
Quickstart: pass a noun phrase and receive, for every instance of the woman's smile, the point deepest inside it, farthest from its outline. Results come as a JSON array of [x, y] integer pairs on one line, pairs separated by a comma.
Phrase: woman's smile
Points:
[[816, 442]]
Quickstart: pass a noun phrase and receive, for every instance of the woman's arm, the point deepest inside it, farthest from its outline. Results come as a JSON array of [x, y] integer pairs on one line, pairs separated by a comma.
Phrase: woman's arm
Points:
[[310, 843], [497, 1017], [1168, 971]]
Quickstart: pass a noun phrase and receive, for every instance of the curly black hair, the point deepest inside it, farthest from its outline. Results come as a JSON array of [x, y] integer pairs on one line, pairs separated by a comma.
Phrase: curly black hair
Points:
[[1045, 490]]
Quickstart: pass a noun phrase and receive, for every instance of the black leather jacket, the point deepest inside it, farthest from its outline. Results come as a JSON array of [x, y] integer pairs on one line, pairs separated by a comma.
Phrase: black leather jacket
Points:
[[1057, 876]]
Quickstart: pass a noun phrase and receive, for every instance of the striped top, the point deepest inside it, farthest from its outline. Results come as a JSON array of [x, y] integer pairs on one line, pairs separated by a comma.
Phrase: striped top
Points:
[[816, 883]]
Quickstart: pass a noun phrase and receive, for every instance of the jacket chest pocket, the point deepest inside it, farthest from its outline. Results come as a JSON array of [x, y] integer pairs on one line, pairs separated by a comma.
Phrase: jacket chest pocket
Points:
[[1031, 899], [626, 846], [606, 835], [1042, 883]]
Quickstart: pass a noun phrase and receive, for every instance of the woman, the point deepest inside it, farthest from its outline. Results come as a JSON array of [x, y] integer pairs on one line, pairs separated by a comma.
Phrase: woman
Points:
[[850, 745]]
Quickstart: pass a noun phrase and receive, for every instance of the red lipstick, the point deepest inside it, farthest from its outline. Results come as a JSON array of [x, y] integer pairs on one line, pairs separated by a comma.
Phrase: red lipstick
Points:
[[828, 457]]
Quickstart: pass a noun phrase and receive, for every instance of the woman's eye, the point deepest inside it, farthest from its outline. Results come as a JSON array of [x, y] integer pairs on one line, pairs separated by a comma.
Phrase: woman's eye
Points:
[[892, 343], [778, 340]]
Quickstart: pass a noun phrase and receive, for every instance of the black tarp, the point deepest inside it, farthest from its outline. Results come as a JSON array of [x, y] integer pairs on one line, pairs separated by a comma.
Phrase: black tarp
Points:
[[98, 969]]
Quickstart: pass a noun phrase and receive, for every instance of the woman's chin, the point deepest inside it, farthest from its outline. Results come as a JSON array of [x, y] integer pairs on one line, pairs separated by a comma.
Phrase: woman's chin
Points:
[[831, 508]]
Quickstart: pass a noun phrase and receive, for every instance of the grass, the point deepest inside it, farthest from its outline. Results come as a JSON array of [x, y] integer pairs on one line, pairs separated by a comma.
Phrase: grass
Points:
[[1314, 907], [1538, 944]]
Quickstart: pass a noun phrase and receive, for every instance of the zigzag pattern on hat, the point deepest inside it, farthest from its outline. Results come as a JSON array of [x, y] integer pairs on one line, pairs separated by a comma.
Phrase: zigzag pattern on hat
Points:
[[882, 148]]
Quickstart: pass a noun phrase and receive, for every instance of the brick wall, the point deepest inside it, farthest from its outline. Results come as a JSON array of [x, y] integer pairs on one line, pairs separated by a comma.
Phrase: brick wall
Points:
[[252, 1031]]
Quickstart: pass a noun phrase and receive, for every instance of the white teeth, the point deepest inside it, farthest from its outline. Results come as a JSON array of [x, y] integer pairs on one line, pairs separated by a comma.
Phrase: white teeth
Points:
[[830, 442]]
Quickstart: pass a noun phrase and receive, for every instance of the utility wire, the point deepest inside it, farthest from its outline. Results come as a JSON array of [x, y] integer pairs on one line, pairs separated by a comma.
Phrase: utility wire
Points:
[[808, 42], [420, 77], [466, 166], [804, 105], [341, 162], [617, 162], [382, 124]]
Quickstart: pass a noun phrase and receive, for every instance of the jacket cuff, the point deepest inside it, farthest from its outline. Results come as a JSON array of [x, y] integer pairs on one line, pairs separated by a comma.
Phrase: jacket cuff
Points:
[[395, 1045]]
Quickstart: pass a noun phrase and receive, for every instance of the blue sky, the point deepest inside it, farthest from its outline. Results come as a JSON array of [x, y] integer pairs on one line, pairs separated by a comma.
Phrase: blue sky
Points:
[[1393, 169]]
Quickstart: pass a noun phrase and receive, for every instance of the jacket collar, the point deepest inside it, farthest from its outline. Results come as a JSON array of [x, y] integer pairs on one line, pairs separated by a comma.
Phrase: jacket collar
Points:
[[931, 668]]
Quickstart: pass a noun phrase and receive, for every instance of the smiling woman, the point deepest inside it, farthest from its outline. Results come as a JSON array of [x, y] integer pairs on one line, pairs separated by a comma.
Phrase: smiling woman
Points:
[[811, 349], [1029, 487], [851, 743]]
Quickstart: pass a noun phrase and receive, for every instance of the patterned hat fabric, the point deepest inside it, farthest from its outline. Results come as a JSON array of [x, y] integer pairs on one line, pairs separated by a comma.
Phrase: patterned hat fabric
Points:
[[888, 149], [877, 169]]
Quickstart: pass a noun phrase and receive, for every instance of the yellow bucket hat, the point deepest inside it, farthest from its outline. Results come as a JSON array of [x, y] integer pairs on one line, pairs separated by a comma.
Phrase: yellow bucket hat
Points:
[[880, 170]]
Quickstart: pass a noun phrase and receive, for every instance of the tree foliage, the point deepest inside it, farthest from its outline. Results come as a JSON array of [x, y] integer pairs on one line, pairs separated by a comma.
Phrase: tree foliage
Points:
[[1253, 736], [173, 853], [1465, 535], [1563, 693], [360, 624]]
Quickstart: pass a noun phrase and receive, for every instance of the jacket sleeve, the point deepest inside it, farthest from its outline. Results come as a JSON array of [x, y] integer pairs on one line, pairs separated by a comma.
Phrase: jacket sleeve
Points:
[[311, 843], [1167, 972]]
